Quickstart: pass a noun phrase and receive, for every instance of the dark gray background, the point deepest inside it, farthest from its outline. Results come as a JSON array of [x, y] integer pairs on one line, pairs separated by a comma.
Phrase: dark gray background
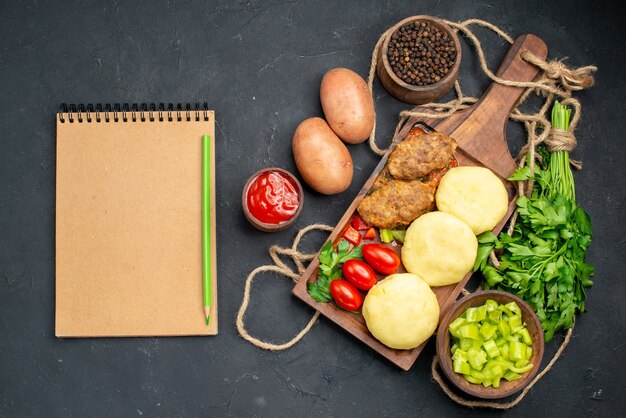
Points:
[[259, 65]]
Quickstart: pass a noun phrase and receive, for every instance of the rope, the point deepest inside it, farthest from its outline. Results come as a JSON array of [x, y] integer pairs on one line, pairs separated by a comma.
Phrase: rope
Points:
[[370, 85], [571, 79], [281, 268], [555, 81]]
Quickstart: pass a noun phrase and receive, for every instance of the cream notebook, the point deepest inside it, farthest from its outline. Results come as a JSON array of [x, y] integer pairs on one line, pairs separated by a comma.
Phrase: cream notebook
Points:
[[128, 221]]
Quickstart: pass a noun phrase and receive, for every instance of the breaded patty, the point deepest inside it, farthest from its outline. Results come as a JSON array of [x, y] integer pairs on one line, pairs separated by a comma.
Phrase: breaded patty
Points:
[[383, 178], [419, 154], [397, 203]]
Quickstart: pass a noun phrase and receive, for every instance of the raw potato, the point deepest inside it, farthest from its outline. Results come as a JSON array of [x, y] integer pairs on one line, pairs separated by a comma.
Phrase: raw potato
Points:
[[322, 159], [348, 105], [475, 195], [401, 311], [440, 248]]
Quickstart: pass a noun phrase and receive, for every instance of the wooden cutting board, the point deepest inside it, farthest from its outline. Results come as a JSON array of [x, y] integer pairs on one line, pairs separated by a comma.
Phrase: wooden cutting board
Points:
[[481, 138]]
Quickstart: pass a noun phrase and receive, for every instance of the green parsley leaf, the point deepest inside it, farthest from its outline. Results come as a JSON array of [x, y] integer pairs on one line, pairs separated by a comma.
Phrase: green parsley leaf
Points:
[[522, 173], [326, 253], [342, 248], [543, 261], [357, 252], [329, 268]]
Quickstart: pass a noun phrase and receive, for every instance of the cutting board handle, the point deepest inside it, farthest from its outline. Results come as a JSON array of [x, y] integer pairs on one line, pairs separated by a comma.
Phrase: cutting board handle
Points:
[[514, 68], [480, 130]]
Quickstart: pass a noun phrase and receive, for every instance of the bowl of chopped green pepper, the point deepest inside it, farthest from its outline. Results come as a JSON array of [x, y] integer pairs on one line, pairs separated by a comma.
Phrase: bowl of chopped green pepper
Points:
[[490, 344]]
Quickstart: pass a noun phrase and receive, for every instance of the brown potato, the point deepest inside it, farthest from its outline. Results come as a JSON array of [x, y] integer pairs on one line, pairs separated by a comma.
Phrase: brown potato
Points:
[[322, 159], [348, 105]]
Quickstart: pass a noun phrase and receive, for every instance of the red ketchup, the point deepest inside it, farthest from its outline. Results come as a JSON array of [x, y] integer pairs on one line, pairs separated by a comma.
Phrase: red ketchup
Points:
[[273, 198]]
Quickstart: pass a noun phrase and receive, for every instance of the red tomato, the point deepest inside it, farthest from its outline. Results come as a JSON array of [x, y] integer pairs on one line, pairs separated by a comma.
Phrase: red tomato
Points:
[[382, 259], [345, 295], [359, 274]]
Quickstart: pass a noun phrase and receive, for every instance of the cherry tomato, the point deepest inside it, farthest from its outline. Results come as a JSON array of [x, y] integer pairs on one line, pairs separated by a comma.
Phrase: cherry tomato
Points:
[[359, 274], [382, 259], [345, 295]]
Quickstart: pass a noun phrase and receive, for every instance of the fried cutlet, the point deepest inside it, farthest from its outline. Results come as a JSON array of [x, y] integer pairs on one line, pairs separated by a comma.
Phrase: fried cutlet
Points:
[[397, 203], [419, 154]]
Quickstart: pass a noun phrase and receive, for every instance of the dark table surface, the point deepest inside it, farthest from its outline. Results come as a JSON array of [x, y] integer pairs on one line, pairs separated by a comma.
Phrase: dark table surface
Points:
[[259, 65]]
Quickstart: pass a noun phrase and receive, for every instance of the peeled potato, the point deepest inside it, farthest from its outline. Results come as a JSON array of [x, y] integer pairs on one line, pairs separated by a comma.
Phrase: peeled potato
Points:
[[401, 311], [475, 195], [440, 248]]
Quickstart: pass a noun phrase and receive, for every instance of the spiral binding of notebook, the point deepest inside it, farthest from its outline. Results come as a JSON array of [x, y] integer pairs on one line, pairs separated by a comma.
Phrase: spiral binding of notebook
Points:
[[134, 112]]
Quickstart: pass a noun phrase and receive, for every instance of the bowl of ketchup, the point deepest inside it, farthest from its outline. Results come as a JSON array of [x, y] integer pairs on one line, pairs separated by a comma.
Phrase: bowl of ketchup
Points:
[[272, 199]]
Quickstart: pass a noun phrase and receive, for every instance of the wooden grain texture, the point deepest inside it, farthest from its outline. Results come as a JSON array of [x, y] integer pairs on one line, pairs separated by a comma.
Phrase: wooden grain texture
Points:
[[481, 138], [506, 388]]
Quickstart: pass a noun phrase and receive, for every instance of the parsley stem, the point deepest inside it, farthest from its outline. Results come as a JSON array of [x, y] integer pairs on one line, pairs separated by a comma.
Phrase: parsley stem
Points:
[[562, 179], [543, 261]]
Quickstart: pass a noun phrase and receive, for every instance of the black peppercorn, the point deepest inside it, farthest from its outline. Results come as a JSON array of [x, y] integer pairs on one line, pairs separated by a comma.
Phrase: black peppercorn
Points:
[[420, 53]]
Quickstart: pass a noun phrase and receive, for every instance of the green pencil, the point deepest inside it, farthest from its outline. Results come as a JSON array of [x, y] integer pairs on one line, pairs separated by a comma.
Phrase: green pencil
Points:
[[206, 225]]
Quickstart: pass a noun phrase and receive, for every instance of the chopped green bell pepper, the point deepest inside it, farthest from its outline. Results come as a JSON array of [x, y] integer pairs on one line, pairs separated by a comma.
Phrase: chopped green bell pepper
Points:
[[469, 331], [491, 348], [491, 343]]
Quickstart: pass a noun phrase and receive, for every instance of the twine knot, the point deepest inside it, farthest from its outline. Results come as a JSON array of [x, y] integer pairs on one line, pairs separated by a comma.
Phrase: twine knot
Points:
[[570, 78], [283, 269], [560, 140]]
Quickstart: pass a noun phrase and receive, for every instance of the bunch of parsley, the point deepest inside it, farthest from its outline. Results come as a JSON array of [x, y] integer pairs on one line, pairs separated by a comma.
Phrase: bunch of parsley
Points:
[[543, 261], [329, 268]]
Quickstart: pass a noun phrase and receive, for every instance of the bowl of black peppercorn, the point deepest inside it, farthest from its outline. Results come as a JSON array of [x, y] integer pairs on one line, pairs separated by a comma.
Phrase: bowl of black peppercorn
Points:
[[419, 60]]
